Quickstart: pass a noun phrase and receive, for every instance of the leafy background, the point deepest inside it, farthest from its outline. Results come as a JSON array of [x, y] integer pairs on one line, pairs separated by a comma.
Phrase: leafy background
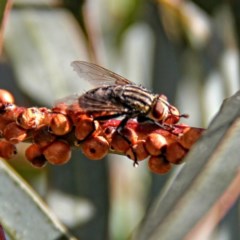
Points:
[[187, 50]]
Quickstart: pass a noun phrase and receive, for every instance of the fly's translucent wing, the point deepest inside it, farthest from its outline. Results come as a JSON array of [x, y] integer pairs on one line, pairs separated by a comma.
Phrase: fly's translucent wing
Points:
[[97, 75], [100, 104]]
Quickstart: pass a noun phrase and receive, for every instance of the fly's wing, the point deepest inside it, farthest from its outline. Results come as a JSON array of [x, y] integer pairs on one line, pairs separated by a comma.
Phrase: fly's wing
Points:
[[97, 75], [100, 103]]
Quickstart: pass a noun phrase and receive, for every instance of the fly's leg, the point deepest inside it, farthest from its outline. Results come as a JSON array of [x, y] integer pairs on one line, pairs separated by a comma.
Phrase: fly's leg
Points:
[[166, 127], [77, 142], [120, 129]]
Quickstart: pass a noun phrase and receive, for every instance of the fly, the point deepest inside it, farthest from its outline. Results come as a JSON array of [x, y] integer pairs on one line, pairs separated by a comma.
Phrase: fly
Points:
[[115, 96]]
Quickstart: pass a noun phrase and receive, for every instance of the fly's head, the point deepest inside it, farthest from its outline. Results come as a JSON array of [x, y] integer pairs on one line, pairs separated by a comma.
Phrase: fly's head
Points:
[[162, 111]]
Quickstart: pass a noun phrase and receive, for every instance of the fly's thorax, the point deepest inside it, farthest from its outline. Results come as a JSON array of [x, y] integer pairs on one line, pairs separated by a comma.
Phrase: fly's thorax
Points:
[[159, 110], [135, 97]]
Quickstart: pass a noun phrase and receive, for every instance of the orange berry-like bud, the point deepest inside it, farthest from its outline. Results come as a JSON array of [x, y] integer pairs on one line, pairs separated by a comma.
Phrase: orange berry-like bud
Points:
[[121, 142], [175, 153], [85, 126], [43, 137], [95, 148], [190, 136], [6, 97], [60, 124], [12, 112], [108, 133], [137, 150], [60, 107], [14, 134], [154, 143], [30, 118], [46, 116], [59, 152], [35, 156], [159, 165], [7, 149], [3, 123]]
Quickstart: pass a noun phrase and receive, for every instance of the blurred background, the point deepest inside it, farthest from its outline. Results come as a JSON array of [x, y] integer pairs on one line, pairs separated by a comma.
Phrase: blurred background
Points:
[[186, 50]]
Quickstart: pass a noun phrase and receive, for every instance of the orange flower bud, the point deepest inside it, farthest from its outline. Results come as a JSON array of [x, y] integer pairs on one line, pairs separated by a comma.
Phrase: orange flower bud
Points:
[[154, 143], [6, 97], [14, 134], [60, 108], [43, 137], [3, 123], [190, 136], [85, 126], [108, 133], [159, 165], [12, 112], [30, 118], [7, 149], [121, 142], [46, 116], [95, 148], [60, 124], [137, 150], [59, 152], [175, 153], [34, 155]]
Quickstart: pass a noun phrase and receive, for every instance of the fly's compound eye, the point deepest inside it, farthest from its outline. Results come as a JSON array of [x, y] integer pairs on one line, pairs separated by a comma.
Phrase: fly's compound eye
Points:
[[159, 110]]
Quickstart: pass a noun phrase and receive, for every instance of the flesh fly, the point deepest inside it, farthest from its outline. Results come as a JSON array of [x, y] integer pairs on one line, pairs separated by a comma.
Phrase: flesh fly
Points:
[[115, 96]]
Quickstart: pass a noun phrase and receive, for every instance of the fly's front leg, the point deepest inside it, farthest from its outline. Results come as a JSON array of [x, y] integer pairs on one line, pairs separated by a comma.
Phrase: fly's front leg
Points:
[[164, 126]]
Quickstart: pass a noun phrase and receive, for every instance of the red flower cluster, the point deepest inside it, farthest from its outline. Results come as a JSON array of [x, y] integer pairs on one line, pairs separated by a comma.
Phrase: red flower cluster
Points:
[[52, 133]]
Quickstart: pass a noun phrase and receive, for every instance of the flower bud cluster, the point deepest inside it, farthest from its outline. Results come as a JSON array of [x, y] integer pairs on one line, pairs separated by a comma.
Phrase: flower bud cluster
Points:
[[53, 132]]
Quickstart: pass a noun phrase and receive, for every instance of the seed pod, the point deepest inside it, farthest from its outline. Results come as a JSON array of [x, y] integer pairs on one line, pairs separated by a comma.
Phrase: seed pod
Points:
[[46, 116], [7, 149], [60, 124], [85, 127], [30, 118], [175, 153], [108, 133], [43, 137], [121, 142], [35, 156], [137, 150], [14, 134], [154, 143], [159, 165], [59, 152], [12, 112], [3, 123], [6, 97], [95, 148], [190, 136], [60, 108]]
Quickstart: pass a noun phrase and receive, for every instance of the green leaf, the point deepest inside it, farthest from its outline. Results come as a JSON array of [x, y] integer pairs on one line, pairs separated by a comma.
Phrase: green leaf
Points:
[[41, 44], [22, 213], [211, 166]]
